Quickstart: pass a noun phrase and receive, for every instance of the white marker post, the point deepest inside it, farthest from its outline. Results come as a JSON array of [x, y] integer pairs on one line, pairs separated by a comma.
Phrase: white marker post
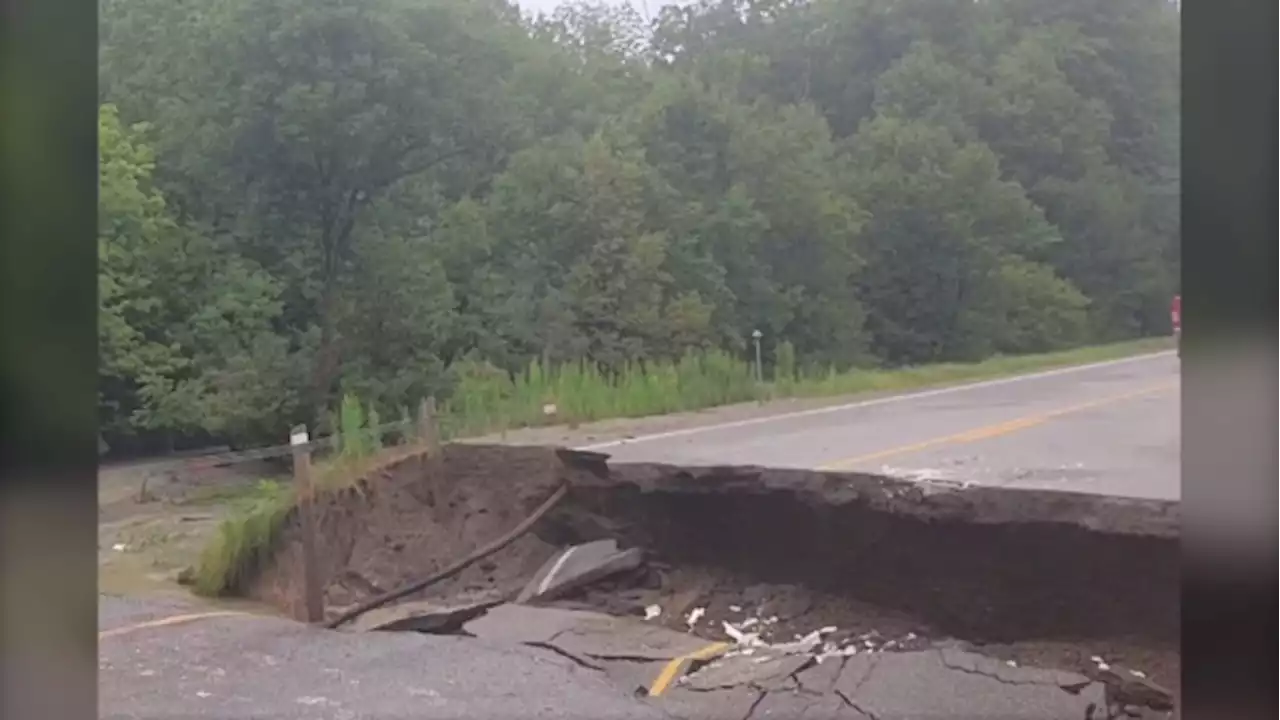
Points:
[[305, 492]]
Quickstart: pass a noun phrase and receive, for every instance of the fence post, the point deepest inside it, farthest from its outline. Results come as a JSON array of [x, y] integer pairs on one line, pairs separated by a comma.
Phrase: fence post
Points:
[[305, 491], [429, 425]]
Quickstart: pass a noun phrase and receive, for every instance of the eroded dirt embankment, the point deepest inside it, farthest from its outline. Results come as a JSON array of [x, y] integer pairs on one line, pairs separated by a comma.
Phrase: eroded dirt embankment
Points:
[[1016, 568]]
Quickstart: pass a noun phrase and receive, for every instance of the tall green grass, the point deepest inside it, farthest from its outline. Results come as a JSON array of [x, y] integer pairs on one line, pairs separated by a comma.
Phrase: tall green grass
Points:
[[246, 539], [489, 400]]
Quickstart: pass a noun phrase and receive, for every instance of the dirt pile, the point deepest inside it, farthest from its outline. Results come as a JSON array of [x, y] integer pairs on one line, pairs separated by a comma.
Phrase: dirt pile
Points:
[[415, 516], [1043, 575]]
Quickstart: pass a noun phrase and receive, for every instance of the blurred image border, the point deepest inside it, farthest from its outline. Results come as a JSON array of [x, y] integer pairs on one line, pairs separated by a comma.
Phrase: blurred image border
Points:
[[1229, 425], [48, 358]]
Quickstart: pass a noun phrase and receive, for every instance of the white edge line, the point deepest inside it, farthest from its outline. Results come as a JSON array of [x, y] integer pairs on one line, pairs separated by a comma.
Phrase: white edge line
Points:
[[870, 403], [546, 581]]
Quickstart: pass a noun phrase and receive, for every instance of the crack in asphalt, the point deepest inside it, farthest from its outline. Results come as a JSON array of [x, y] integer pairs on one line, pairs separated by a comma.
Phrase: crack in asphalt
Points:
[[565, 654], [761, 695], [628, 658], [857, 708], [800, 687], [1005, 681], [875, 662]]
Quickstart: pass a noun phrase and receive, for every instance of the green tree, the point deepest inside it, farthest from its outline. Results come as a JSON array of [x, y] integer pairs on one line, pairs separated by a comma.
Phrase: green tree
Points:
[[186, 327], [946, 245], [309, 113]]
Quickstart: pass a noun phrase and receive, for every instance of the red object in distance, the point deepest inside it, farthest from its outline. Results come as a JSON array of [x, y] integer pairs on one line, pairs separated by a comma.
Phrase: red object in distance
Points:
[[1175, 312]]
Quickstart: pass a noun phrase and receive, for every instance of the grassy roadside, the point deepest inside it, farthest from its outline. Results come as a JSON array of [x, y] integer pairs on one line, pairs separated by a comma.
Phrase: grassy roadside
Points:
[[913, 378], [489, 401], [492, 402]]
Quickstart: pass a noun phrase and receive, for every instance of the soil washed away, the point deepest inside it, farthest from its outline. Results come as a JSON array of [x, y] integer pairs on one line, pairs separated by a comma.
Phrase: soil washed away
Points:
[[1035, 577]]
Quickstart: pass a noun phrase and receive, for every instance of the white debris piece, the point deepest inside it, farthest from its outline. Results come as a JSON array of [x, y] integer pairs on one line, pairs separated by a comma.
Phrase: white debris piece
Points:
[[847, 651], [804, 644], [1097, 660], [827, 630], [652, 611], [119, 547], [1011, 663], [745, 639], [1138, 674], [735, 608], [203, 694], [694, 616], [549, 409], [911, 636]]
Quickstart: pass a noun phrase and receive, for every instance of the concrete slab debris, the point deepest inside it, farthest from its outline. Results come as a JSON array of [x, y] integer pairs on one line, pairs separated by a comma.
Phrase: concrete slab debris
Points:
[[584, 633], [913, 684], [731, 704], [886, 686], [627, 638], [821, 677], [426, 616], [976, 664], [577, 566], [679, 667], [527, 624], [764, 672], [635, 655]]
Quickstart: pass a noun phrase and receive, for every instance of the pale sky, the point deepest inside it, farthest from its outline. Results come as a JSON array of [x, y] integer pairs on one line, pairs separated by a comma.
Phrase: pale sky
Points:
[[651, 6]]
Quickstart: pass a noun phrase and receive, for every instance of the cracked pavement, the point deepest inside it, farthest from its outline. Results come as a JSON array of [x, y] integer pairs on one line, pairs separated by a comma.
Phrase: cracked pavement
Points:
[[914, 684], [266, 667], [535, 662], [1109, 429]]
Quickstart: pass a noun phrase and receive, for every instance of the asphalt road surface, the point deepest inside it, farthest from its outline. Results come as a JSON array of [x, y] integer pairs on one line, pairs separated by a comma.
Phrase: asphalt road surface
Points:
[[160, 660], [1110, 428]]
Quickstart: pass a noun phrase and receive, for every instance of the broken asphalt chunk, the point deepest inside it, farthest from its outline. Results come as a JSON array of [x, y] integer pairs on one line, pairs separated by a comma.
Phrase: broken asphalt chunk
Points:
[[426, 615], [577, 566], [922, 684], [583, 632], [764, 672]]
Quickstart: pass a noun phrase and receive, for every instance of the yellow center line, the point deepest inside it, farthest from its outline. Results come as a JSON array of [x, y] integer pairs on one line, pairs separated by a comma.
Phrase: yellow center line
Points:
[[675, 666], [167, 621], [987, 432]]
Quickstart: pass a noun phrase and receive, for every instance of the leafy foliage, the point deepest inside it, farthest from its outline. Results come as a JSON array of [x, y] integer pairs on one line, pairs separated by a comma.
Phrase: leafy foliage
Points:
[[385, 199]]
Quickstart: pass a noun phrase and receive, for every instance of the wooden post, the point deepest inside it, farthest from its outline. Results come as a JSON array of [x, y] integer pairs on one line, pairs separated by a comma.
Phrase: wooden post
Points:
[[305, 491], [429, 425]]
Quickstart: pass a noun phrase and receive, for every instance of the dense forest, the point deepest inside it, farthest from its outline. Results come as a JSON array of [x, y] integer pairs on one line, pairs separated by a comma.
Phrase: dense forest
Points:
[[308, 199]]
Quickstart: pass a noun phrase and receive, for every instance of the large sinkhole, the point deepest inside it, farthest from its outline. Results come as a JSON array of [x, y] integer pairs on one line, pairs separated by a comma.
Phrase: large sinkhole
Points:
[[1044, 576]]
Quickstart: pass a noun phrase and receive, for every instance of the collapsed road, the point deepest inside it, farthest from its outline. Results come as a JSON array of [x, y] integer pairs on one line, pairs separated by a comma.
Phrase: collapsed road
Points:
[[766, 592]]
